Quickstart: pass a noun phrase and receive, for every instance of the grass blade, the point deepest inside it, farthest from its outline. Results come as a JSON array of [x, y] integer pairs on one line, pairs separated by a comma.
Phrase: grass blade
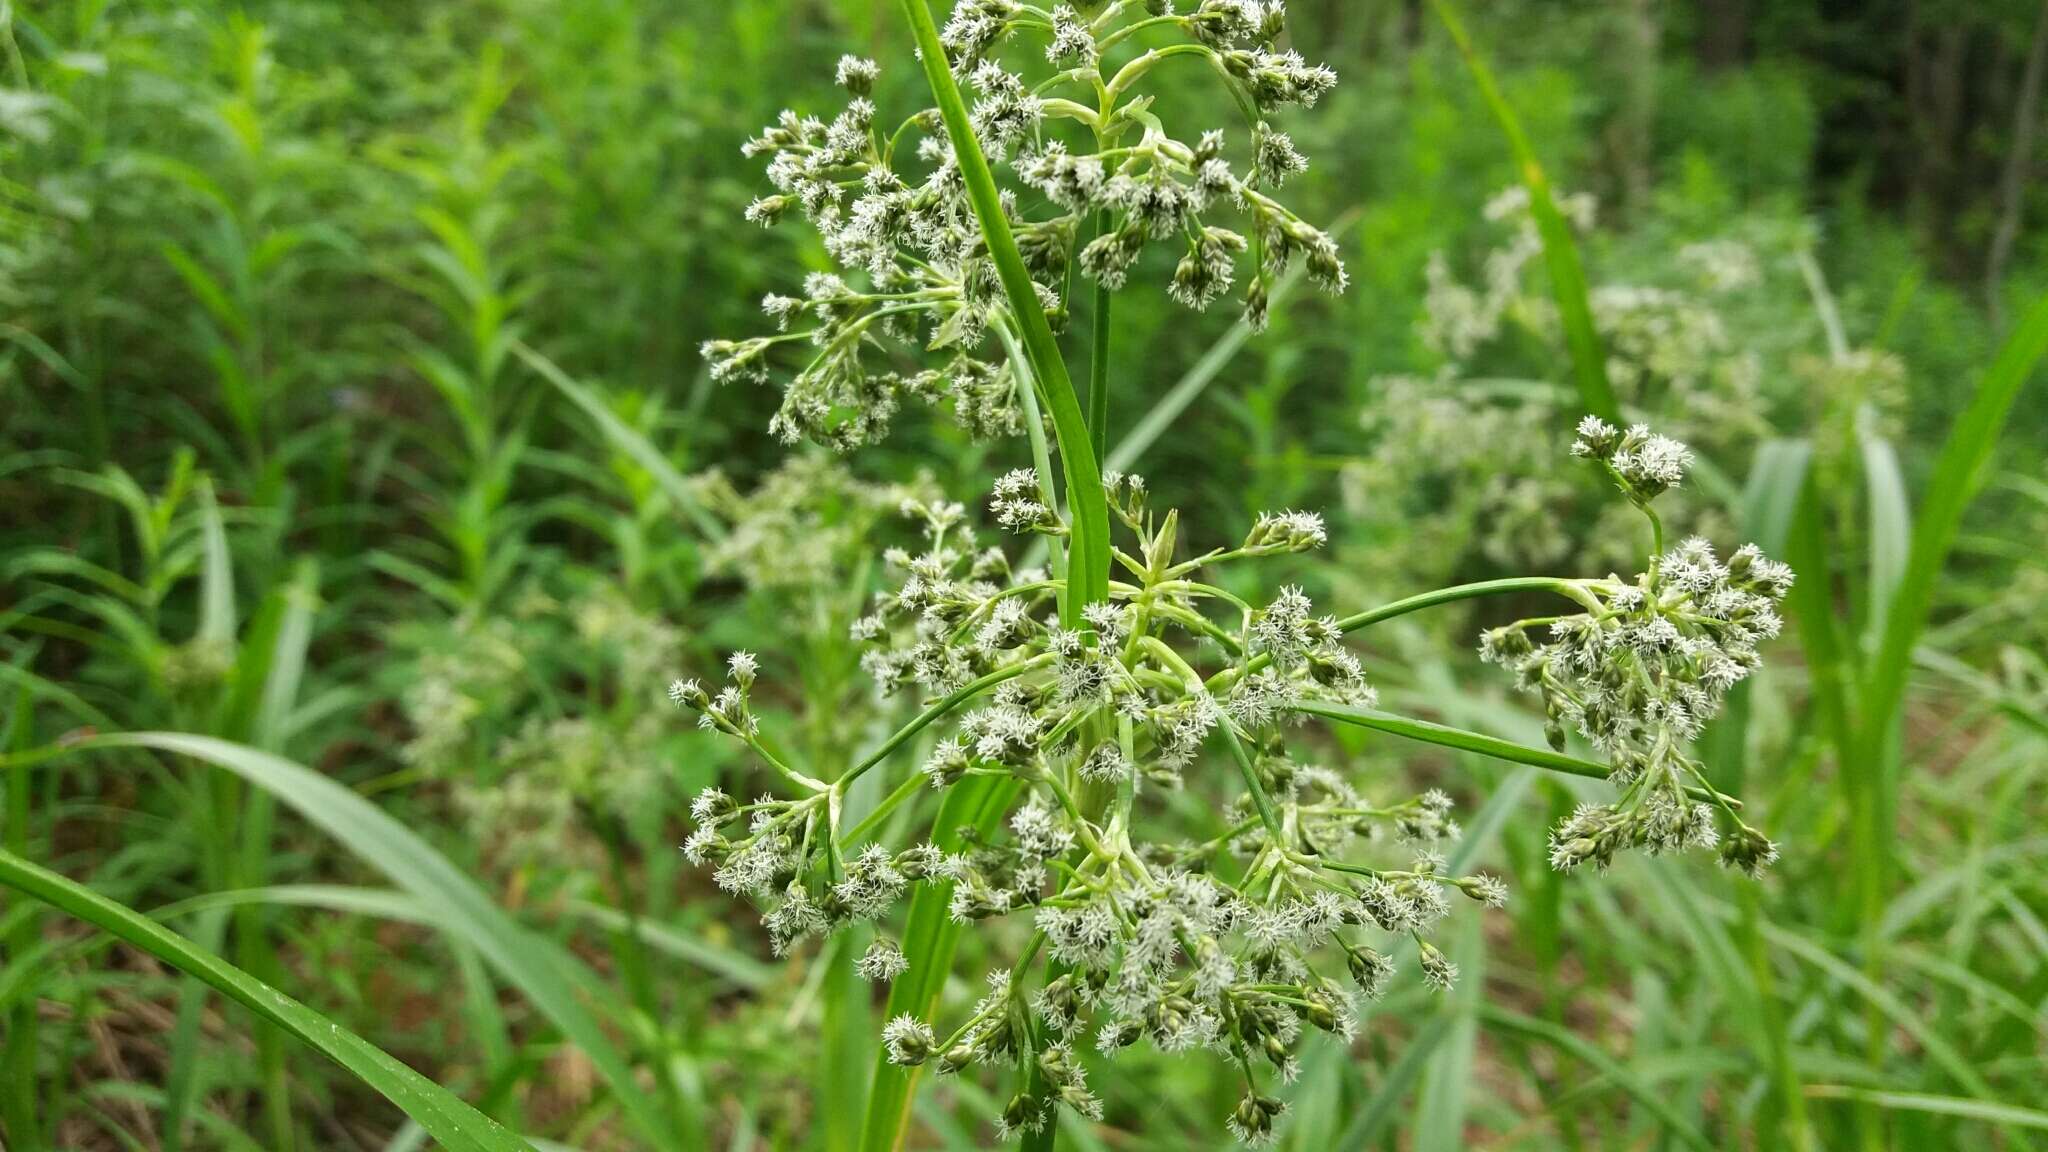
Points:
[[1168, 408], [545, 974], [455, 1124], [929, 937], [1886, 1002], [1770, 496], [1560, 254], [1372, 1120], [628, 440], [1440, 1103], [847, 1035], [20, 1111], [216, 574], [1542, 1031], [2002, 1114], [1958, 473], [1891, 526]]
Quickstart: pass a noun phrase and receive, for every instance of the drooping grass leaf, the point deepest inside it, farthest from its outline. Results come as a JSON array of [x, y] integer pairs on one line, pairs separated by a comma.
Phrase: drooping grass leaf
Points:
[[628, 440], [454, 1123], [546, 974]]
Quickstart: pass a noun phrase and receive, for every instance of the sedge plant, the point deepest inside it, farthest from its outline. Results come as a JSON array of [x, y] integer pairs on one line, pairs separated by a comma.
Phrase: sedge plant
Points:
[[1067, 699]]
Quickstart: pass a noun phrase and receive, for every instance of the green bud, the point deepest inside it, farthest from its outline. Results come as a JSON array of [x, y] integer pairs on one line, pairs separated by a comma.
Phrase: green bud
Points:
[[955, 1058], [1022, 1110]]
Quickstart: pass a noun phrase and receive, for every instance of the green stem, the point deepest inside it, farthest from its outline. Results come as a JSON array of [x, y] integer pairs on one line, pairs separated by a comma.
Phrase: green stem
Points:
[[1366, 619], [931, 938], [1268, 815], [1567, 588], [1098, 360], [1034, 431], [925, 718], [1445, 736]]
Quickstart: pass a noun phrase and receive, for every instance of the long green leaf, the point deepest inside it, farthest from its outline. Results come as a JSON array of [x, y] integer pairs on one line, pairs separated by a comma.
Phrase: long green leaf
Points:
[[455, 1124], [1168, 408], [1088, 563], [929, 937], [738, 967], [1985, 1110], [1366, 1126], [541, 970], [1891, 527], [1440, 1103], [216, 575], [1958, 473], [1560, 254]]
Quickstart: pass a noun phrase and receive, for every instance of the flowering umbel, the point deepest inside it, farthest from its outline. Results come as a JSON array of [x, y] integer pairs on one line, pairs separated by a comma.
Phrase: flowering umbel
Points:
[[1071, 731], [1232, 943], [1097, 174], [1133, 939], [1645, 666]]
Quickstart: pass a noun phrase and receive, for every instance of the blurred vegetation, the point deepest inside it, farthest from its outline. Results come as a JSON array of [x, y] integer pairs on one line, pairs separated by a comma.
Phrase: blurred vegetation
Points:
[[351, 412]]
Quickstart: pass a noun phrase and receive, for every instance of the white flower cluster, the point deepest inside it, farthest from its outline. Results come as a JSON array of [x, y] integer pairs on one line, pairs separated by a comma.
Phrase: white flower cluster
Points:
[[1641, 671], [1134, 940], [1450, 466], [1644, 464], [891, 207]]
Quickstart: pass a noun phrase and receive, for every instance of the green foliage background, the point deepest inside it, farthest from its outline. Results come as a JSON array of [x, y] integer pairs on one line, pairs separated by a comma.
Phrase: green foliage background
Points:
[[351, 412]]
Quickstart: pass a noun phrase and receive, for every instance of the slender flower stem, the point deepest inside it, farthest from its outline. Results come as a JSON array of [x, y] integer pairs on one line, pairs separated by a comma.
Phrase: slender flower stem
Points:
[[1463, 592], [1034, 431], [946, 704], [1445, 736], [1268, 815], [1129, 30], [1569, 588], [911, 786], [1098, 354]]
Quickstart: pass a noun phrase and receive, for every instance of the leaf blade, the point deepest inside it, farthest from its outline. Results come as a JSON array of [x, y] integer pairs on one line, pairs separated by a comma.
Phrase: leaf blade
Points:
[[545, 973], [458, 1126]]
